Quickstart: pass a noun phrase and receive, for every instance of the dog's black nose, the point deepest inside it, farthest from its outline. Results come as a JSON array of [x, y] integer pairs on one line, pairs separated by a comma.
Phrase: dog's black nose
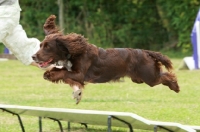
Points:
[[34, 57]]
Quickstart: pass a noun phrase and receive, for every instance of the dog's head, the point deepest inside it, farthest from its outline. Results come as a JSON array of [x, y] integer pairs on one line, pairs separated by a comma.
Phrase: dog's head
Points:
[[58, 47]]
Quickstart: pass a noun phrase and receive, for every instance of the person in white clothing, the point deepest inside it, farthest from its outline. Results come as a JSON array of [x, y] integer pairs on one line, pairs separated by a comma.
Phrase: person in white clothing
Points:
[[12, 34]]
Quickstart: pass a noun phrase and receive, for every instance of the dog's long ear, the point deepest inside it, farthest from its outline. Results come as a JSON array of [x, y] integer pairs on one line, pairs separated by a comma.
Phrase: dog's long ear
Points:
[[75, 43], [63, 51], [50, 26]]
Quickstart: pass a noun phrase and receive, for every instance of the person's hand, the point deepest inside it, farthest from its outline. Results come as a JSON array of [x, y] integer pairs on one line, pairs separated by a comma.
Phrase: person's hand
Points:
[[35, 64]]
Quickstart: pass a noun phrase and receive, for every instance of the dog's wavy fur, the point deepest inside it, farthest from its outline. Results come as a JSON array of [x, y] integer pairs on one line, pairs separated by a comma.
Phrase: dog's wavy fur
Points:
[[97, 65]]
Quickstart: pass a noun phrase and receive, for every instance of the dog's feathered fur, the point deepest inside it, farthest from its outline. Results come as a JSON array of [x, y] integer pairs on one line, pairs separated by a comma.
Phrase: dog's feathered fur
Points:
[[97, 65]]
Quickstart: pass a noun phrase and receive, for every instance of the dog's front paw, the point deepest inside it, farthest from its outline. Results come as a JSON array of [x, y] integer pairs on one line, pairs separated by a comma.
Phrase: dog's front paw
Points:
[[53, 76], [47, 75]]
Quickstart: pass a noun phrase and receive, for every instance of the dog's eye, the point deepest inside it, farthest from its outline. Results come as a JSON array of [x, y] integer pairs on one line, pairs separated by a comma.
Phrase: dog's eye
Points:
[[47, 46]]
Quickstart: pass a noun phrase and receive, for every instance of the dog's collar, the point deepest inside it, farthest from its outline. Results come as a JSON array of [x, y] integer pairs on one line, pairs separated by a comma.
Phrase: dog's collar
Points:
[[61, 62]]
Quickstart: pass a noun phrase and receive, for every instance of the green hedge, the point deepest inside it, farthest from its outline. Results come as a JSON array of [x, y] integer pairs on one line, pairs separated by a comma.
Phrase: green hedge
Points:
[[146, 24], [1, 48]]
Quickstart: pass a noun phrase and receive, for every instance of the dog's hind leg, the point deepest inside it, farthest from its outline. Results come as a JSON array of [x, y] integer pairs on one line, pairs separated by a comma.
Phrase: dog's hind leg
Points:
[[77, 93], [152, 79], [169, 80]]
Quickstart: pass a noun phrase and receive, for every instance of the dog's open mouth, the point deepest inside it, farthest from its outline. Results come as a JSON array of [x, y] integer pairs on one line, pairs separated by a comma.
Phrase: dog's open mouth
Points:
[[45, 64]]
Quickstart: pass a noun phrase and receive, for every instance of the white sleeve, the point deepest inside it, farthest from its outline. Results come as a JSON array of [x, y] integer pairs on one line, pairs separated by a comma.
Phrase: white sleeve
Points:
[[14, 37], [22, 46]]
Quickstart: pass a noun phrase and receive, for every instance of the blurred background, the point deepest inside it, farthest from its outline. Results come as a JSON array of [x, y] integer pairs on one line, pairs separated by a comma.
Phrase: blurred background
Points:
[[160, 25]]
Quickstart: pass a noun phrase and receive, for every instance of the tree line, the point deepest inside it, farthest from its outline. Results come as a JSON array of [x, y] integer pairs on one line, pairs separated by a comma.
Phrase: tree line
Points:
[[145, 24]]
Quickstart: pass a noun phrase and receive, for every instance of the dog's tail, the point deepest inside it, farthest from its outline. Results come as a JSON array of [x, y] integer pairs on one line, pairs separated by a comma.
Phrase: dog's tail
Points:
[[158, 57]]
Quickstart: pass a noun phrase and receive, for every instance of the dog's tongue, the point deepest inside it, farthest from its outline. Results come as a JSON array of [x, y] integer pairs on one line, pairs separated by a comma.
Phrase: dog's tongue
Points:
[[44, 64]]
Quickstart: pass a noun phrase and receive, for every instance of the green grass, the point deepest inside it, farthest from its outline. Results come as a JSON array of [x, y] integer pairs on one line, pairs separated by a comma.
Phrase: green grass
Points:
[[24, 85]]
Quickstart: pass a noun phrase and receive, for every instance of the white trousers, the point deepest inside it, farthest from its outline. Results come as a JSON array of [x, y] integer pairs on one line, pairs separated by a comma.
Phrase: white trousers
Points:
[[14, 37]]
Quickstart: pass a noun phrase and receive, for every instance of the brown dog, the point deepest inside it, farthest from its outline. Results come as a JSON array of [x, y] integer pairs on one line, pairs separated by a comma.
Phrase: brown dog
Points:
[[96, 65]]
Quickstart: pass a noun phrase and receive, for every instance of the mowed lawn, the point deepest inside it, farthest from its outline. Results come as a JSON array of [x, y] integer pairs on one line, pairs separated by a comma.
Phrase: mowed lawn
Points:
[[24, 85]]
